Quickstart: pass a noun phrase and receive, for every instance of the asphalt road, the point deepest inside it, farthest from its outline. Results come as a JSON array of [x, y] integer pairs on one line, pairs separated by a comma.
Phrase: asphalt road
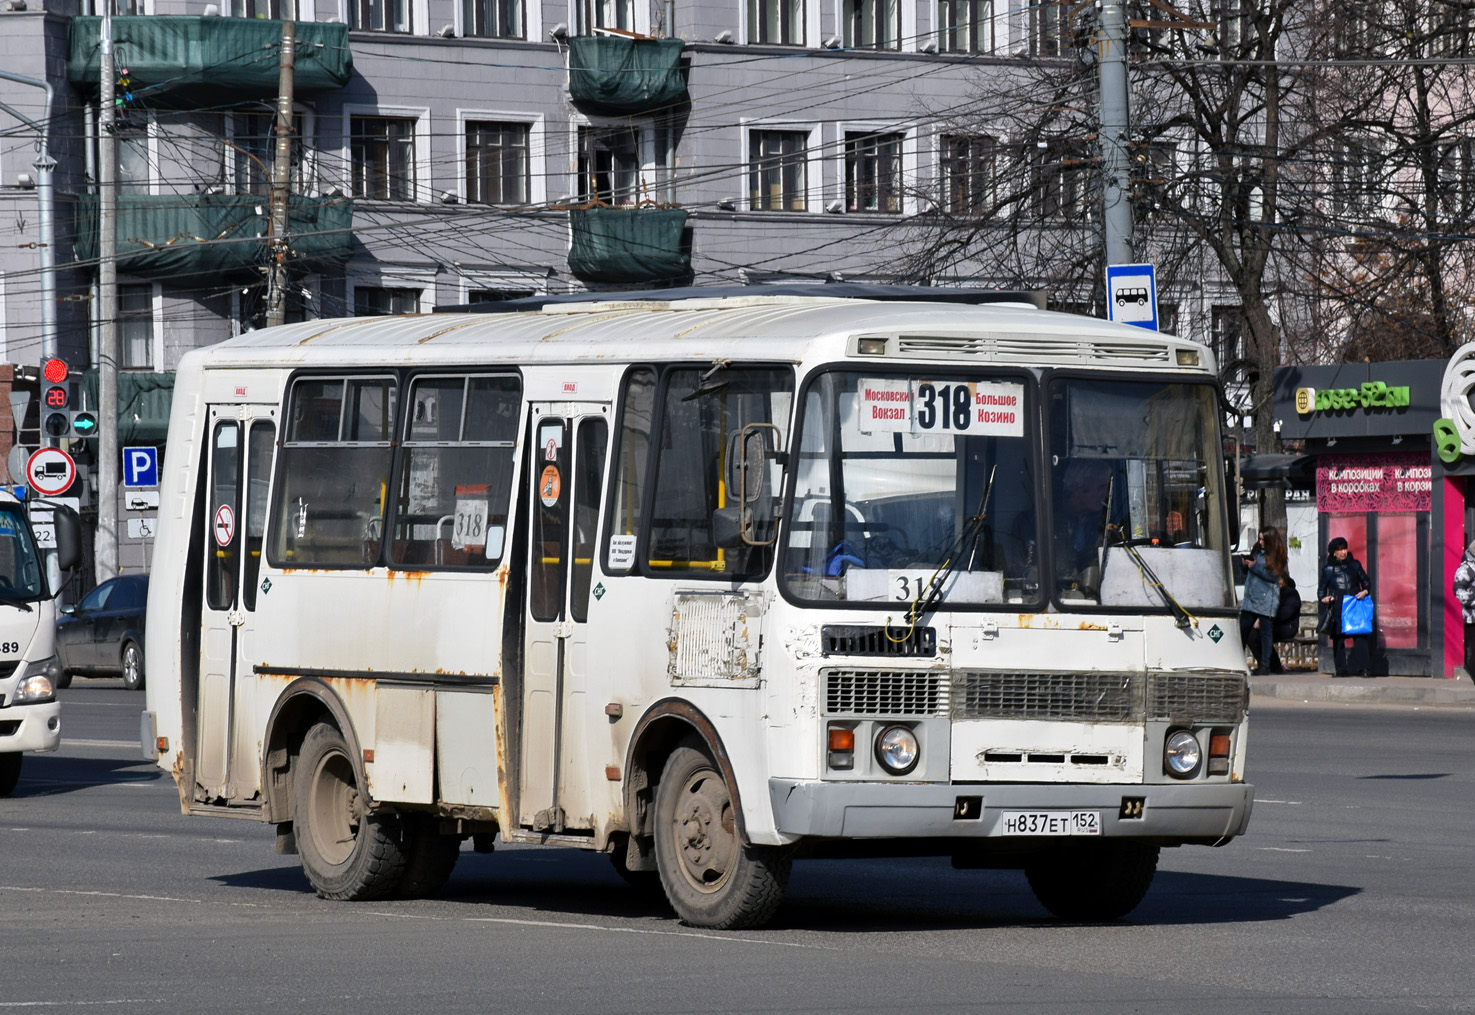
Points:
[[1351, 893]]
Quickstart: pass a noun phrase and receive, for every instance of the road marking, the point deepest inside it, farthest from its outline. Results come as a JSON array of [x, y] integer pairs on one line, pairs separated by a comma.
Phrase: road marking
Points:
[[1282, 849], [78, 1004], [1288, 803], [635, 930]]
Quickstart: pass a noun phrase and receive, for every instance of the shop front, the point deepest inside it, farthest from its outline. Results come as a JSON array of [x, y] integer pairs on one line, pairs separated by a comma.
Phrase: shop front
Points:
[[1377, 485]]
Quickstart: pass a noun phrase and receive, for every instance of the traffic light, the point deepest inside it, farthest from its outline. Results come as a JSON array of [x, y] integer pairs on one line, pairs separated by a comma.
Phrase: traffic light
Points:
[[57, 424]]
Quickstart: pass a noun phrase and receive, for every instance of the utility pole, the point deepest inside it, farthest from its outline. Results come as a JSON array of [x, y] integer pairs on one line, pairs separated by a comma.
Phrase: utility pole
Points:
[[281, 180], [105, 542], [1116, 125], [45, 167]]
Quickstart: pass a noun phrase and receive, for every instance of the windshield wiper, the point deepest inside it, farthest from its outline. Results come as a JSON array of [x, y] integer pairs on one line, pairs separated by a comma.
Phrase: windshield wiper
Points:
[[1149, 577], [964, 546], [10, 599]]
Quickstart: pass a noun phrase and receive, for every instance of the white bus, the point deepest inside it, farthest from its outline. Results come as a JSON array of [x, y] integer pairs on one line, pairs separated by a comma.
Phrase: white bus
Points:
[[706, 583], [30, 672]]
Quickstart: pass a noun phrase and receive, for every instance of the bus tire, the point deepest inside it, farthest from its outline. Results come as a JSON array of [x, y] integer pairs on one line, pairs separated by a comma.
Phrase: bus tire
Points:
[[64, 681], [1093, 882], [711, 878], [645, 882], [429, 858], [9, 771], [348, 854]]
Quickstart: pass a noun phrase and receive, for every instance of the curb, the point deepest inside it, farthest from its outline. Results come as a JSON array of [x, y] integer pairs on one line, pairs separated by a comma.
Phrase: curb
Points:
[[1366, 691]]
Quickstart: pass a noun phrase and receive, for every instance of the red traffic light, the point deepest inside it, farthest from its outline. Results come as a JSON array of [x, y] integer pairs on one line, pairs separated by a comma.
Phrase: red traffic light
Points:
[[54, 370]]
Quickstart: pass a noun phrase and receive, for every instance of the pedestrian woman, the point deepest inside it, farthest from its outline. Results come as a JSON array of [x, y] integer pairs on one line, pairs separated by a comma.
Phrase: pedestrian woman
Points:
[[1342, 575], [1263, 573]]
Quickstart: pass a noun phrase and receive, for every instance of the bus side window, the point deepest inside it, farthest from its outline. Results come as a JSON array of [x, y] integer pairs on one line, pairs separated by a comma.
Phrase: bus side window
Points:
[[637, 409], [456, 480], [701, 411], [333, 473]]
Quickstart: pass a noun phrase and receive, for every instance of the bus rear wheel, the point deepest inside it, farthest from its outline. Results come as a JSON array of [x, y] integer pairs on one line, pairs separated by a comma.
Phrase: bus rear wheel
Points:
[[429, 858], [348, 853], [711, 878], [1093, 882]]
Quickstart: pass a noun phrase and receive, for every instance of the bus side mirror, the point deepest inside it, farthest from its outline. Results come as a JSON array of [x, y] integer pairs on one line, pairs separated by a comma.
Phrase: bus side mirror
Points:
[[68, 538], [748, 517]]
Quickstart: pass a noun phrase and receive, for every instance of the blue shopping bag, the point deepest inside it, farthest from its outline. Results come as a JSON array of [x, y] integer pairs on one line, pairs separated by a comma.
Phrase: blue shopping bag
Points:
[[1357, 615]]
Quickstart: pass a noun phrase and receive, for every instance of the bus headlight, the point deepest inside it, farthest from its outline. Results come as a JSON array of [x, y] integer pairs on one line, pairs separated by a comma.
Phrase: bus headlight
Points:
[[897, 750], [1182, 754], [33, 690]]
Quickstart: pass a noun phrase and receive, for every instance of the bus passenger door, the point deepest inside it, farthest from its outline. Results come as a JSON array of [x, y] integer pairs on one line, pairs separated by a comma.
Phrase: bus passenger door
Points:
[[242, 440], [566, 484]]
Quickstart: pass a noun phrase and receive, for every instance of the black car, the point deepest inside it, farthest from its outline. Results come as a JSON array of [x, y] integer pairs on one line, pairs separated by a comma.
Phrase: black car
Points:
[[103, 634]]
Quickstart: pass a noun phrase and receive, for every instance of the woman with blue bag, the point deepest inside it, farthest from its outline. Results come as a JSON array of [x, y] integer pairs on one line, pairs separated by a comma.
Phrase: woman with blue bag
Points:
[[1341, 576]]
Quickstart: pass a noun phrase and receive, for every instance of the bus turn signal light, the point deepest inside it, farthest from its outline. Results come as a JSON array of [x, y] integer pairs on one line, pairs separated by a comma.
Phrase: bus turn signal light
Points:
[[1219, 753], [842, 747], [161, 744]]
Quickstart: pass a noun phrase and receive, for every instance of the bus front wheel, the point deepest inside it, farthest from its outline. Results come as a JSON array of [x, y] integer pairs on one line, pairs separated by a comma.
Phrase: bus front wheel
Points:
[[348, 853], [711, 878], [1093, 881]]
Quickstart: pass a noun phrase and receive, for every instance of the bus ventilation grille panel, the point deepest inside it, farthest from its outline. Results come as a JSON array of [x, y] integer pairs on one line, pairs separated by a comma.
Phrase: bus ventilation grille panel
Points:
[[898, 643], [878, 692], [1099, 697]]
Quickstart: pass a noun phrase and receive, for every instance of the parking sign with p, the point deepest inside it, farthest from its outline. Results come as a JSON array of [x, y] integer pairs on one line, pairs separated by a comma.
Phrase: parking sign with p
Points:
[[140, 466]]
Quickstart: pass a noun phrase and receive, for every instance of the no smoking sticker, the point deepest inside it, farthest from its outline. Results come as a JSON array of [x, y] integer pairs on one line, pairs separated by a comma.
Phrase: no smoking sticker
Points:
[[224, 526]]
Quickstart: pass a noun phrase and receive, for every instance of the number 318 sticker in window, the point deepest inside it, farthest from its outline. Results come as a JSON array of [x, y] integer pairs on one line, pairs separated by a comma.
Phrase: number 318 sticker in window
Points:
[[921, 406]]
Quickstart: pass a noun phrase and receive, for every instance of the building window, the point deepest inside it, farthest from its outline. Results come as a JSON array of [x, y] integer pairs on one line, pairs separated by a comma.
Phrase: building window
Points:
[[379, 301], [1356, 27], [1052, 28], [619, 14], [872, 172], [1456, 177], [776, 169], [379, 15], [276, 10], [497, 162], [1449, 27], [136, 326], [1060, 182], [965, 26], [1356, 176], [1227, 338], [871, 24], [382, 149], [133, 159], [969, 169], [254, 147], [492, 19], [497, 295], [609, 165], [780, 22]]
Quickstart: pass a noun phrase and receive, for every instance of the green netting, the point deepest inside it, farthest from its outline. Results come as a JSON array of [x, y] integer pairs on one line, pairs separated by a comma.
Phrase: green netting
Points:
[[195, 61], [619, 76], [628, 245], [143, 404], [194, 237]]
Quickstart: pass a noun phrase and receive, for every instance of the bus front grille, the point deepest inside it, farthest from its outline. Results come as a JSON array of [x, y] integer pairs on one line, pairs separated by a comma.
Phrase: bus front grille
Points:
[[885, 692], [1100, 697]]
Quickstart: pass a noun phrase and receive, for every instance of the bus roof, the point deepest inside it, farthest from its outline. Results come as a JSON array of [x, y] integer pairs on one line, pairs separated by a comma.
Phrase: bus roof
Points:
[[766, 327]]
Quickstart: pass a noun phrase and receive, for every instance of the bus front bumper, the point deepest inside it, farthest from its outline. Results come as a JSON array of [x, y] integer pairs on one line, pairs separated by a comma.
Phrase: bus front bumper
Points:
[[30, 727], [1193, 812]]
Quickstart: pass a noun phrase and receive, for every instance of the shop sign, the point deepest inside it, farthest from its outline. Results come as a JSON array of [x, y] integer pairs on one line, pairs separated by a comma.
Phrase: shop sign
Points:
[[1371, 395], [1389, 482]]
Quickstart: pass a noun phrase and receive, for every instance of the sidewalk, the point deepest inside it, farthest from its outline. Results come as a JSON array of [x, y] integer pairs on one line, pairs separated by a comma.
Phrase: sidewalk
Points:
[[1321, 687]]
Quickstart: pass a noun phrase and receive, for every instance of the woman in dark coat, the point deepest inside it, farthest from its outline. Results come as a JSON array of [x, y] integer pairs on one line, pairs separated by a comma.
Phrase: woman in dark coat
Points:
[[1342, 575]]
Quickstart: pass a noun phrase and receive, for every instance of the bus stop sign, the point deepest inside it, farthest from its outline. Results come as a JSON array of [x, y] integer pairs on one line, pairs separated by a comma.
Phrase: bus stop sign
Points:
[[1131, 295]]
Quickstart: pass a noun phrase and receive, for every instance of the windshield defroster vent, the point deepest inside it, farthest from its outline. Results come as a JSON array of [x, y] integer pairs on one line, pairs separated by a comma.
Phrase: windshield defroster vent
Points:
[[861, 640]]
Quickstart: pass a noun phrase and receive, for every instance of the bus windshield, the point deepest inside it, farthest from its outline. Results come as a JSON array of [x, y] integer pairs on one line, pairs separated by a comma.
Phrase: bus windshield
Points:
[[891, 470], [1137, 491], [20, 566]]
